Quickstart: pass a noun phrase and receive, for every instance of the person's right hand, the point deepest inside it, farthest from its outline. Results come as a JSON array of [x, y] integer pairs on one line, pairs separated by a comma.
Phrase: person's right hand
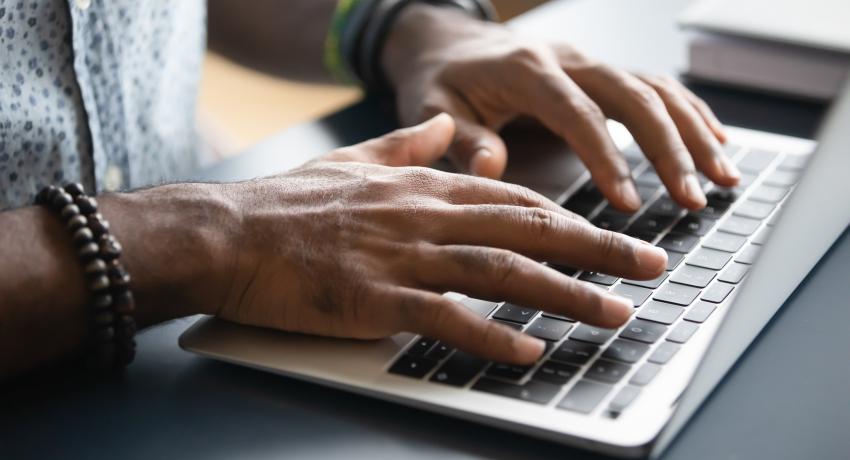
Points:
[[362, 242]]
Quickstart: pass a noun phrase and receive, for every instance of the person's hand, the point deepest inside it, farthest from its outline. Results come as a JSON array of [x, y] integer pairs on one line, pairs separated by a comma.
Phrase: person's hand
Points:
[[440, 60], [362, 242]]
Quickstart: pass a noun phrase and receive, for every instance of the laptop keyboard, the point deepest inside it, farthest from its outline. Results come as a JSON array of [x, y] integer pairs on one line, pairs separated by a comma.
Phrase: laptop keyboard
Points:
[[590, 370]]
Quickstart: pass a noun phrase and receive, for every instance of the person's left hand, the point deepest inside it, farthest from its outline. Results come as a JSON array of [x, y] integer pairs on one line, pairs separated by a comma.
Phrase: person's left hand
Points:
[[440, 60]]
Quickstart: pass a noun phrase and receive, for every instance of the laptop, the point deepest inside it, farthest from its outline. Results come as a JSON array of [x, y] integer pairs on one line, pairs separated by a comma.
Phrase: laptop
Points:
[[624, 392]]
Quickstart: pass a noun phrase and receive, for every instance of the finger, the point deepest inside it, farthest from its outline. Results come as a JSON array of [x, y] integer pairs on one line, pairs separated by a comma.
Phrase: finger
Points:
[[696, 133], [499, 274], [437, 316], [704, 110], [419, 145], [549, 236], [553, 98], [634, 103]]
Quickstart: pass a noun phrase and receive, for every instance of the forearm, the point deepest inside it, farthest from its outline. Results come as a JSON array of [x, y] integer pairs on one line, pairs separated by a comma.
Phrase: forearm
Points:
[[279, 37], [173, 237]]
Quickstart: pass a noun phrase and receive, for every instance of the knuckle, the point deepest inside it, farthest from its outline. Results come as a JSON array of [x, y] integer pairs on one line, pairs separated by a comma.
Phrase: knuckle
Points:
[[540, 222], [609, 244], [645, 96], [587, 110], [527, 57], [501, 265]]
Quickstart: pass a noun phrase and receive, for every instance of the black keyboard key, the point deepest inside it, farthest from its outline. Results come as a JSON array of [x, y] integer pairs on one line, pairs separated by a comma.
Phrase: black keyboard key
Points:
[[673, 260], [574, 352], [693, 276], [748, 255], [734, 274], [694, 224], [459, 369], [584, 396], [555, 372], [645, 374], [754, 209], [421, 346], [440, 351], [481, 308], [636, 294], [548, 328], [607, 371], [592, 334], [664, 206], [569, 271], [645, 236], [678, 242], [678, 294], [709, 258], [769, 194], [726, 242], [623, 399], [514, 326], [700, 312], [626, 351], [532, 391], [581, 208], [729, 195], [650, 224], [612, 220], [782, 178], [643, 331], [762, 236], [507, 371], [717, 292], [515, 313], [664, 353], [756, 161], [660, 312], [714, 209], [740, 225], [598, 278], [412, 366], [589, 194], [652, 284], [682, 332]]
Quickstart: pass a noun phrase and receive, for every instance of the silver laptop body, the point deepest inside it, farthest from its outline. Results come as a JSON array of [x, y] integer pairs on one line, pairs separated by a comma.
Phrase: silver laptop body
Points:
[[626, 392]]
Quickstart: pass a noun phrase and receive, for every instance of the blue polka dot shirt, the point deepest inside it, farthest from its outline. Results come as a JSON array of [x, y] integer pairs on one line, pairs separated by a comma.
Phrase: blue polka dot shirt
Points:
[[97, 91]]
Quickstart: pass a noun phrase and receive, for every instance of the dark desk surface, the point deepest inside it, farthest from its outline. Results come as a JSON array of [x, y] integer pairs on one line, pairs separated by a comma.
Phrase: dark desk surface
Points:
[[787, 397]]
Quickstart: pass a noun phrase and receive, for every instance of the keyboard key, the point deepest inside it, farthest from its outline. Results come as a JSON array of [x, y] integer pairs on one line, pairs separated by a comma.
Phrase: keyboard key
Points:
[[645, 374], [647, 192], [643, 331], [560, 317], [678, 242], [748, 255], [574, 352], [762, 236], [515, 313], [622, 399], [754, 209], [598, 278], [769, 194], [584, 396], [740, 225], [481, 308], [649, 223], [664, 353], [745, 182], [793, 162], [548, 328], [636, 294], [694, 224], [412, 366], [756, 161], [729, 195], [588, 193], [700, 312], [651, 284], [592, 334], [673, 260], [717, 292], [709, 258], [555, 372], [626, 351], [532, 391], [648, 177], [782, 178], [693, 276], [507, 371], [607, 371], [459, 369], [644, 236], [510, 324], [734, 274], [664, 206], [678, 294], [439, 351], [612, 220], [682, 332], [724, 242], [580, 208], [421, 346], [569, 271], [714, 209], [660, 312]]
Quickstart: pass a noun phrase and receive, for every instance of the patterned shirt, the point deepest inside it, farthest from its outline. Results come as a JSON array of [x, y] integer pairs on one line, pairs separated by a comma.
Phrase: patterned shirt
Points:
[[97, 91]]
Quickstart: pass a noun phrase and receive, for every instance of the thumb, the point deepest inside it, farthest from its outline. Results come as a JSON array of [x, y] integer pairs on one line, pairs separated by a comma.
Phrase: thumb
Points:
[[479, 150], [419, 145]]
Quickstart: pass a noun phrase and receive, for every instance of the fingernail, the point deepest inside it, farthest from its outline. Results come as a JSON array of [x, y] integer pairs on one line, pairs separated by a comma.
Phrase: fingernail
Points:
[[694, 190], [616, 308], [651, 258], [478, 163], [629, 194], [530, 348], [728, 167]]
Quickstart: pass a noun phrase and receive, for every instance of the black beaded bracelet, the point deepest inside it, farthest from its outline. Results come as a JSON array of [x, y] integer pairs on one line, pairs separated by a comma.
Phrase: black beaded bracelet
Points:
[[112, 344]]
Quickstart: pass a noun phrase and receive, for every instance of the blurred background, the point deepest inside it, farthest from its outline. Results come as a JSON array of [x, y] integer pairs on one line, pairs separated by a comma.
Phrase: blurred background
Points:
[[234, 120]]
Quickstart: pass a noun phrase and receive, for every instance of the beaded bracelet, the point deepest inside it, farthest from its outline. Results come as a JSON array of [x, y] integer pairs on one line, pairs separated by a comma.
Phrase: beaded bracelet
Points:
[[112, 344]]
